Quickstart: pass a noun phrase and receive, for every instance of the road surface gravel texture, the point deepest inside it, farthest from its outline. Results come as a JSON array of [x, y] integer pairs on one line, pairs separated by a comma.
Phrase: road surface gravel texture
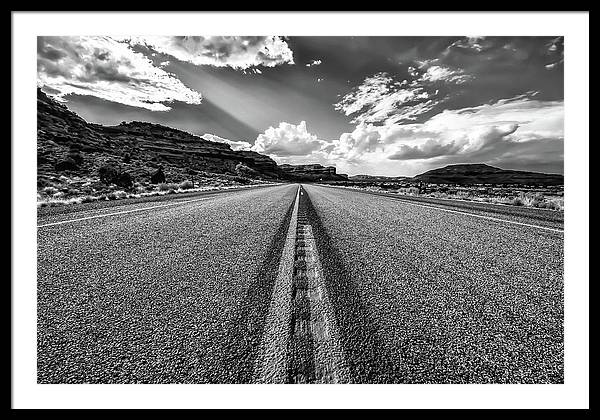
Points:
[[169, 295], [422, 295], [177, 290], [533, 215]]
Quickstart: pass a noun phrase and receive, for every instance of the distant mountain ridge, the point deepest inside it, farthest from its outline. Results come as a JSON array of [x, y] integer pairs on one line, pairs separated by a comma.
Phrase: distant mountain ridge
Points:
[[485, 174]]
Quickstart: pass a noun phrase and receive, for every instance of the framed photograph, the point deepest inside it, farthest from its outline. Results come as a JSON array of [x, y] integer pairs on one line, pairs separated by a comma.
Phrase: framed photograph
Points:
[[300, 210]]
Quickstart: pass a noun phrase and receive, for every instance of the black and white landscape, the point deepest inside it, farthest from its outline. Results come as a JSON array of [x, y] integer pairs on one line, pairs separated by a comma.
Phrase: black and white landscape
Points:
[[272, 209]]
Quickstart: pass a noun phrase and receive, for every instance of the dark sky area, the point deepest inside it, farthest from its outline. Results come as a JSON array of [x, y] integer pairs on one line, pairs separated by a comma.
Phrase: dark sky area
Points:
[[378, 105]]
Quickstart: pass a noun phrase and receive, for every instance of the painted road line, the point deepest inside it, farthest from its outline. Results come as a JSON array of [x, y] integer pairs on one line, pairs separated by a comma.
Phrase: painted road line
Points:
[[301, 343], [314, 347], [120, 212], [454, 211], [484, 217], [329, 360], [450, 200], [271, 364]]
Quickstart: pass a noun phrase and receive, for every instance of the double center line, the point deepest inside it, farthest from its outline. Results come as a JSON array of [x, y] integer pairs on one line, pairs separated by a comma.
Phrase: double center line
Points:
[[301, 343]]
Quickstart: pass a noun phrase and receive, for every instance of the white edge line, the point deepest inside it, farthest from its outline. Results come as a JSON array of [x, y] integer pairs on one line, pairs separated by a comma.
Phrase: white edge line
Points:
[[120, 212], [145, 208], [452, 200], [485, 217], [463, 212]]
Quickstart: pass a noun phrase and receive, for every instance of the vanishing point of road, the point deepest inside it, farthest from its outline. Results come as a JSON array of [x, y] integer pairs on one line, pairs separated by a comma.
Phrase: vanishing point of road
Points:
[[297, 284]]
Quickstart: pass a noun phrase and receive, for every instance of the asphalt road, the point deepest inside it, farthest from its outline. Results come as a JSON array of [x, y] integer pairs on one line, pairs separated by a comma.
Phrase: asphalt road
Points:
[[527, 215], [178, 290], [167, 294], [423, 295]]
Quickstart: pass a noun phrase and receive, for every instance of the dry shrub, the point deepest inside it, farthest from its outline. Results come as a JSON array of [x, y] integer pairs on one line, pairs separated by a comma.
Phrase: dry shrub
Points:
[[167, 186], [186, 185]]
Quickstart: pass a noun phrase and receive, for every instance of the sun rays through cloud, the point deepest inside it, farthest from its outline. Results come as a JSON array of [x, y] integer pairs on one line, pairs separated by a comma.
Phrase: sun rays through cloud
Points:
[[390, 105]]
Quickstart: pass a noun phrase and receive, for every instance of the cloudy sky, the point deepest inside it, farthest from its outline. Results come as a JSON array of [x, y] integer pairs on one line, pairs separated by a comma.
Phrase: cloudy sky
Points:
[[375, 105]]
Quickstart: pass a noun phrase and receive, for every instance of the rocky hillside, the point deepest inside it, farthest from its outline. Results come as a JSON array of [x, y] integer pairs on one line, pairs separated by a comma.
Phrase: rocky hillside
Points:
[[485, 174], [70, 146]]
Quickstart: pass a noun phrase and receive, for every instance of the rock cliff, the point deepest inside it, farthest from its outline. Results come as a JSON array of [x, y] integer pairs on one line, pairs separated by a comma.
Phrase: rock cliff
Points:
[[313, 172], [67, 143]]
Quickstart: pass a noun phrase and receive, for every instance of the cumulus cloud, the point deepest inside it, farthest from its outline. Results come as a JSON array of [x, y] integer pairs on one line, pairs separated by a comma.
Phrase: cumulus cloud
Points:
[[235, 144], [535, 118], [251, 71], [108, 69], [287, 140], [465, 143], [480, 131], [555, 53], [489, 133], [556, 46], [239, 52], [382, 98], [313, 63], [502, 54], [444, 74], [475, 44], [427, 150]]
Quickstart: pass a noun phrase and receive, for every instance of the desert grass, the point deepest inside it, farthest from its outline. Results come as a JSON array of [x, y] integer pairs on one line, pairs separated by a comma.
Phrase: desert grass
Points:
[[511, 198], [59, 199]]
